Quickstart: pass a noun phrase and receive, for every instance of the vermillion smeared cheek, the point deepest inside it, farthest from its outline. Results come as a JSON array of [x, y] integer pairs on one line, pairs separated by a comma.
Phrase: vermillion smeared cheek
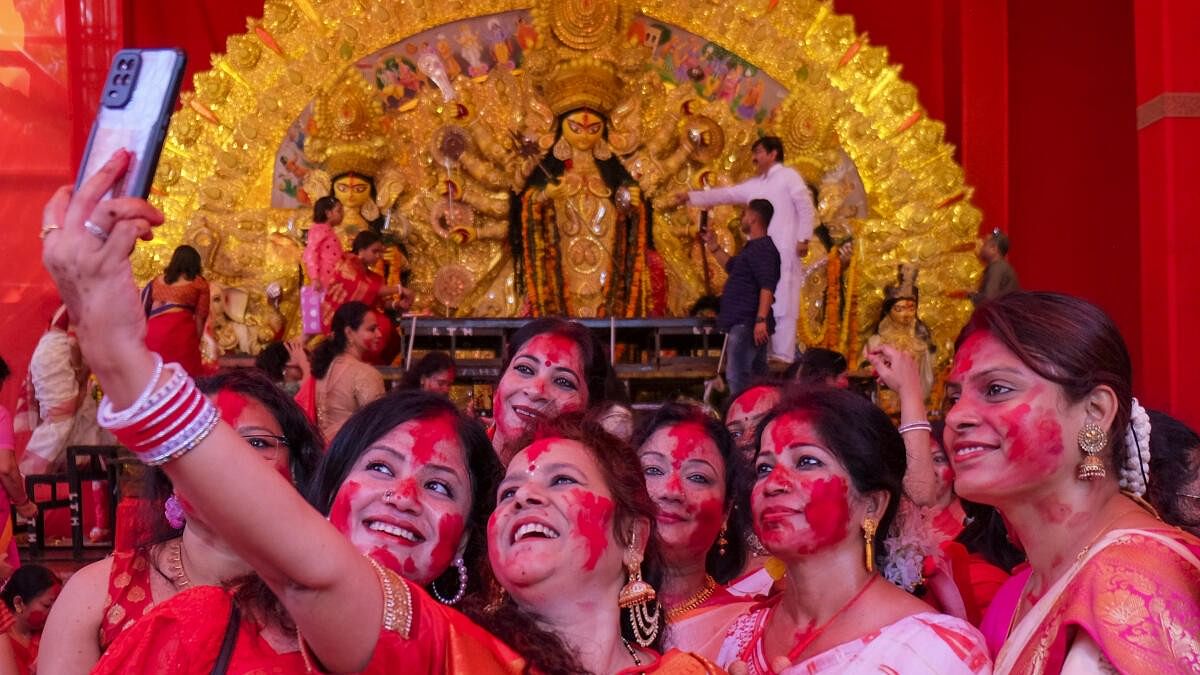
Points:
[[450, 529], [593, 522], [230, 405], [431, 434], [339, 514], [36, 618], [1035, 444], [945, 473], [708, 519], [827, 513]]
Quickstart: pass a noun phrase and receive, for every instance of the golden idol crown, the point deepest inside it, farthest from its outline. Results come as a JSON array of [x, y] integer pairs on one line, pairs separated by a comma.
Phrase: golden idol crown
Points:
[[582, 82], [346, 136]]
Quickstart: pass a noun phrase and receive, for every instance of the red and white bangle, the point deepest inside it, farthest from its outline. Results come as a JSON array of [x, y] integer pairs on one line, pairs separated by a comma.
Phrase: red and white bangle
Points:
[[164, 424], [109, 418]]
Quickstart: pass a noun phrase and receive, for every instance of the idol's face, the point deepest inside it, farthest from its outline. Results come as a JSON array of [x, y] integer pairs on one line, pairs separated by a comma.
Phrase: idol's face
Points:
[[406, 501], [583, 129]]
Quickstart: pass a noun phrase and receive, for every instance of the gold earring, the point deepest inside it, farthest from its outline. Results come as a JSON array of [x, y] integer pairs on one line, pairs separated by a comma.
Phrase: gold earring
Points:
[[722, 542], [562, 149], [602, 150], [1092, 440], [638, 597], [869, 525]]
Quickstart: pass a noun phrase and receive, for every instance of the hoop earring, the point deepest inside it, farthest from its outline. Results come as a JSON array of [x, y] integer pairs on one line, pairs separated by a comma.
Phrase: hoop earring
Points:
[[1092, 440], [462, 585], [602, 150], [562, 149], [869, 526], [638, 597], [722, 542]]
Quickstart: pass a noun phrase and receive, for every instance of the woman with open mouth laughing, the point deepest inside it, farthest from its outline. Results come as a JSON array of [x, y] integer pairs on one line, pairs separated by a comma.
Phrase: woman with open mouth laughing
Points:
[[551, 367], [572, 542], [828, 478], [689, 462]]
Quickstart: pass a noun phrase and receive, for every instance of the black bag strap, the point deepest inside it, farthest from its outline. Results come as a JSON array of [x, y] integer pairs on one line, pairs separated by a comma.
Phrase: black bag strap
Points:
[[227, 644]]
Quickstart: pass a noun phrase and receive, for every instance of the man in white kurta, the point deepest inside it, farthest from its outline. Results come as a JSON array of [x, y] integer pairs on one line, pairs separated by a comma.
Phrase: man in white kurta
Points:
[[790, 229]]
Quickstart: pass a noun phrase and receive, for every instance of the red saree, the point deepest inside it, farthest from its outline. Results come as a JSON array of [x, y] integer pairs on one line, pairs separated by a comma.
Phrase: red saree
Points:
[[350, 281]]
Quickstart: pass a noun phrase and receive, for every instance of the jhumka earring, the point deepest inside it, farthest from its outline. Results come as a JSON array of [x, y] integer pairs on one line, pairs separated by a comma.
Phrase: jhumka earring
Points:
[[602, 150], [869, 525], [722, 542], [1092, 440], [638, 597], [562, 149]]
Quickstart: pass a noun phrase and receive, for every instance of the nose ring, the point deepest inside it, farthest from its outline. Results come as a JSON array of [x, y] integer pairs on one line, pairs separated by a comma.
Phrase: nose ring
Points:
[[388, 496]]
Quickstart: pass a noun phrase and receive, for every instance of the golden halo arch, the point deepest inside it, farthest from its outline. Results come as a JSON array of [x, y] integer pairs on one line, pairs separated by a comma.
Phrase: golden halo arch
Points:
[[216, 175]]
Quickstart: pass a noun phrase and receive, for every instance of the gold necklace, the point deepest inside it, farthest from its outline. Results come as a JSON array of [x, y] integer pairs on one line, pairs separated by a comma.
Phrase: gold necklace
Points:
[[702, 596], [179, 575]]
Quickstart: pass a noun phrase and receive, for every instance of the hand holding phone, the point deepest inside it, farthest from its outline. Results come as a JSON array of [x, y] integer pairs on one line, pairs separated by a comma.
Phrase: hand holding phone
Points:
[[135, 109]]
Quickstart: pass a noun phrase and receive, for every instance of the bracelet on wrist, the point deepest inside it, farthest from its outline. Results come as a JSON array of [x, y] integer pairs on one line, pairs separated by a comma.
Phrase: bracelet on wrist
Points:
[[165, 423], [915, 426]]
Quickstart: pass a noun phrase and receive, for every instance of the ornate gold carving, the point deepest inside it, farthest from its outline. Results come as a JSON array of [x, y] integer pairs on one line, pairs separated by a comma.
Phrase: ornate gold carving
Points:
[[216, 176]]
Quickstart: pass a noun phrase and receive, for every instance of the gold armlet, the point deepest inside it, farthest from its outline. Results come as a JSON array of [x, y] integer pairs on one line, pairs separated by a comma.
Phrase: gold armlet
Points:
[[397, 601]]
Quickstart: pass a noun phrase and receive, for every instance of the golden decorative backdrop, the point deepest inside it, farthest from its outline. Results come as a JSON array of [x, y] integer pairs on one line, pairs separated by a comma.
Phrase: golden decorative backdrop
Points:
[[849, 123]]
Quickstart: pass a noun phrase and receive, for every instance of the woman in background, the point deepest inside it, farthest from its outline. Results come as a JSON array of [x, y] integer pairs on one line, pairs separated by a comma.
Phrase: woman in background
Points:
[[344, 382], [28, 595], [177, 308], [12, 483], [434, 372]]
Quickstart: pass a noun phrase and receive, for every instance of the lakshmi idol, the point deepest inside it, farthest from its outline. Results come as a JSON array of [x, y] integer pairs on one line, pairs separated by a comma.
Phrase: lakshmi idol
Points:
[[1042, 425], [828, 476], [320, 576]]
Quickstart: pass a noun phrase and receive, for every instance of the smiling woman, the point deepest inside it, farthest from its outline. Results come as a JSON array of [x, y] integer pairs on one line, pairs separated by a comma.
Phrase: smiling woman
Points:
[[573, 532], [828, 479], [689, 463], [551, 366], [1036, 427]]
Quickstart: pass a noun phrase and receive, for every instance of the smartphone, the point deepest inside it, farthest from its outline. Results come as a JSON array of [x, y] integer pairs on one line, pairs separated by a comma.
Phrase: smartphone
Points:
[[135, 109]]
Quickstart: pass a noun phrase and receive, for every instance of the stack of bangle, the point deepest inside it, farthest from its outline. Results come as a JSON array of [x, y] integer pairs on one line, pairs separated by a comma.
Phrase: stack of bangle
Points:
[[920, 425], [163, 423]]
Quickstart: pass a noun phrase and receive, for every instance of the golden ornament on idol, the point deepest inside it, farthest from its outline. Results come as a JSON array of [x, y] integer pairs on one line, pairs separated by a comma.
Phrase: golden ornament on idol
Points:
[[530, 150]]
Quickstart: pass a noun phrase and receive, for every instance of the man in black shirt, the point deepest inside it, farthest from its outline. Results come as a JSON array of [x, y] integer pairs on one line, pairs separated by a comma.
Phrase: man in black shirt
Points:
[[749, 292]]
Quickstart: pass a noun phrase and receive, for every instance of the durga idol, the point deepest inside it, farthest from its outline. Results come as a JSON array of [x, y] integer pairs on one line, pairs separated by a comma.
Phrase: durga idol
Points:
[[581, 235]]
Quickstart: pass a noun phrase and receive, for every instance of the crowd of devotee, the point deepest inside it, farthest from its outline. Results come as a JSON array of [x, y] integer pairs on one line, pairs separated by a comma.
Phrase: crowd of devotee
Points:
[[300, 517]]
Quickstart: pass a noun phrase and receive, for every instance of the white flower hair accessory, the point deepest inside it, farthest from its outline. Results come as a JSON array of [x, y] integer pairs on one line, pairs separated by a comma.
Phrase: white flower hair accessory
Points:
[[1137, 451]]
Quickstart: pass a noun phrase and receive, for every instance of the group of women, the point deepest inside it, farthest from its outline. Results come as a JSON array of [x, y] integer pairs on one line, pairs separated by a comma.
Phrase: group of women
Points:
[[417, 543]]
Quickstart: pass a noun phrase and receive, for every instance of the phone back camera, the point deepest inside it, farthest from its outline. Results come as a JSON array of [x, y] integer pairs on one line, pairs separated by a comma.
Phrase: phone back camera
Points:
[[122, 77]]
